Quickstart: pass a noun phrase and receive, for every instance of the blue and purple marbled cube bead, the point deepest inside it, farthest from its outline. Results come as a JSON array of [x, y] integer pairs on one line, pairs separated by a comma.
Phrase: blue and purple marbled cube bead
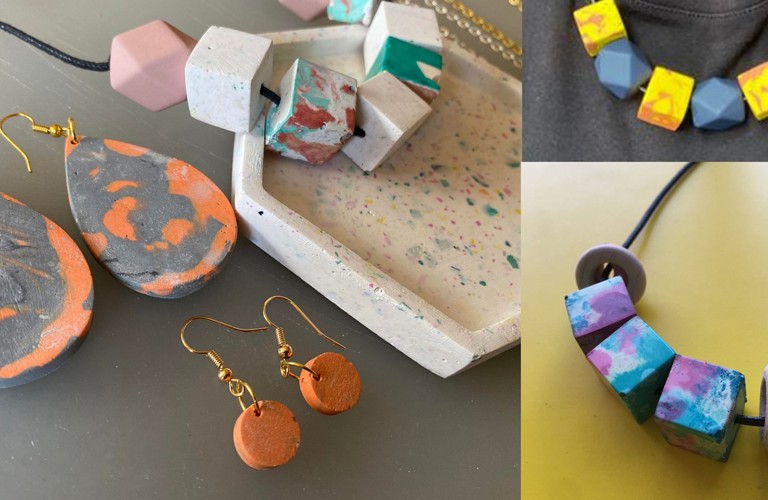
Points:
[[598, 310], [698, 407], [634, 362]]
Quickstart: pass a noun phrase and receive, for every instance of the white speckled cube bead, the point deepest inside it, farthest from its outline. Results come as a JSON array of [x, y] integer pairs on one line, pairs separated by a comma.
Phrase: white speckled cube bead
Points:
[[409, 24], [224, 75], [316, 114], [352, 11], [390, 113]]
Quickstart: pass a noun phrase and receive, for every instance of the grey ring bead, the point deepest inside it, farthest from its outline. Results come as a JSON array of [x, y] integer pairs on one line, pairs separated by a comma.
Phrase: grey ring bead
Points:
[[590, 268]]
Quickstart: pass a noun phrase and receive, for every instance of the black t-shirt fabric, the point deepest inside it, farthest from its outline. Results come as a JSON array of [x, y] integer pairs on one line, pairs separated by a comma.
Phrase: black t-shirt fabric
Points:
[[570, 116]]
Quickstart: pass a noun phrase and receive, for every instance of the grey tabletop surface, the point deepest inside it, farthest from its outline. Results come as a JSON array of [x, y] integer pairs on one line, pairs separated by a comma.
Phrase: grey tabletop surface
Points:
[[134, 415]]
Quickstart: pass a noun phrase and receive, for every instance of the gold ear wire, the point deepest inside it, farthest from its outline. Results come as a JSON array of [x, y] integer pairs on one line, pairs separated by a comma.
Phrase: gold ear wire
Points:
[[284, 350], [281, 332], [237, 387], [54, 130]]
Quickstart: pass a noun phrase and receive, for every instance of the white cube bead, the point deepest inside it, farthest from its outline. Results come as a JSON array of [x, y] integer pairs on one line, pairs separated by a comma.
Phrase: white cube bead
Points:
[[409, 24], [224, 75], [389, 113]]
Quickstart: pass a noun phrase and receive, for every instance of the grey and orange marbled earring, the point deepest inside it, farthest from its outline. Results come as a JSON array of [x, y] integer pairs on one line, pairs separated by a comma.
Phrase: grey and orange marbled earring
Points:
[[46, 294]]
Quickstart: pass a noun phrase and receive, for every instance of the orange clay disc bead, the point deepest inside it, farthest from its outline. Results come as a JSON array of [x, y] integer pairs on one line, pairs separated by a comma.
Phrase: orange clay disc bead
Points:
[[339, 386], [268, 440]]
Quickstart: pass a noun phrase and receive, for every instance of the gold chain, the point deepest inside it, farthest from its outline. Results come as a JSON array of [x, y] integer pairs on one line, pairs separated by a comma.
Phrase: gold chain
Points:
[[516, 3], [466, 19], [485, 26]]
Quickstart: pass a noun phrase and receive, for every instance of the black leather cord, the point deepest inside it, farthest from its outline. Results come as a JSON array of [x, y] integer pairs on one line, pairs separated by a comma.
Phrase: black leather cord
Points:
[[753, 421], [651, 209], [62, 56], [273, 97], [656, 202]]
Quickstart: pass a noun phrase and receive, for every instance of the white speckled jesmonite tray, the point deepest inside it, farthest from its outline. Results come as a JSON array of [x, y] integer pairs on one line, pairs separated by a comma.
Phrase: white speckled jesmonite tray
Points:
[[425, 250]]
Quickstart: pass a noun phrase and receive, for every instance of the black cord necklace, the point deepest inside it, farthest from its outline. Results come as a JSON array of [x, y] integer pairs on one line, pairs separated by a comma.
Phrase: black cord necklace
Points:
[[104, 66], [697, 405]]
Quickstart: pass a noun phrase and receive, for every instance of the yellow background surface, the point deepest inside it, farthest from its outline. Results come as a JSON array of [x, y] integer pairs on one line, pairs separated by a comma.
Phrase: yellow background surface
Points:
[[705, 254]]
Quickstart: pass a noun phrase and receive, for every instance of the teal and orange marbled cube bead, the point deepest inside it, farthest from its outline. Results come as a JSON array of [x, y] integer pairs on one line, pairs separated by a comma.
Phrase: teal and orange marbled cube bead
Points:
[[316, 114], [698, 407], [634, 362], [599, 310]]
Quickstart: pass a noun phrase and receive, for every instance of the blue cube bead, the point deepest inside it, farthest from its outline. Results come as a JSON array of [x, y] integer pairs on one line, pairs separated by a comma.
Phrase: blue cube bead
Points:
[[622, 68], [717, 104], [634, 362]]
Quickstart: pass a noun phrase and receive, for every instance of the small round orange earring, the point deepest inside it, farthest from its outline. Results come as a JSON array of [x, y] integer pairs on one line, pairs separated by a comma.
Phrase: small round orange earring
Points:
[[266, 434], [329, 382]]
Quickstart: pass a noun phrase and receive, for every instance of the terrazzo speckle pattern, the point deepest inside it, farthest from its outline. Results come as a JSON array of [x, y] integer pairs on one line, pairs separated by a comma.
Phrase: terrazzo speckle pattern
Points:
[[338, 229], [441, 216]]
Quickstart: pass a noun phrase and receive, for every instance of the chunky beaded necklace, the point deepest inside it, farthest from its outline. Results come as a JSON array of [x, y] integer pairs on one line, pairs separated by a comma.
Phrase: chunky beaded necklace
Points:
[[698, 406], [716, 103]]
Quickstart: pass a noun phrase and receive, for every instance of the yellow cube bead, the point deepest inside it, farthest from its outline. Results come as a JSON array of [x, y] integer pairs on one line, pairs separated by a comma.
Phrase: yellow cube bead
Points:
[[754, 84], [599, 24], [666, 99]]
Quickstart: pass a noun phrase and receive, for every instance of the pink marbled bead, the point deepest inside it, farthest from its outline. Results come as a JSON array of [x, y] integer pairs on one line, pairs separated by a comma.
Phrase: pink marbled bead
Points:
[[147, 64]]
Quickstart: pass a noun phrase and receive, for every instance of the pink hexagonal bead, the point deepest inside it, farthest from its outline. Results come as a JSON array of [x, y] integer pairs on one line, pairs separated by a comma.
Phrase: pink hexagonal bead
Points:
[[147, 64], [306, 9]]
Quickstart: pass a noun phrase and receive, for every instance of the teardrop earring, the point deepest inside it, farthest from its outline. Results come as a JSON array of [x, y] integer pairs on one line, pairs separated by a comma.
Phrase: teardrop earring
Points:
[[46, 294], [159, 225]]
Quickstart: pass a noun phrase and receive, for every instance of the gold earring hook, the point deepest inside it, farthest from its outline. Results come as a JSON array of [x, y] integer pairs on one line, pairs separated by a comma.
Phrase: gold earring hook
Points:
[[237, 387], [212, 320], [54, 130], [281, 332], [284, 350]]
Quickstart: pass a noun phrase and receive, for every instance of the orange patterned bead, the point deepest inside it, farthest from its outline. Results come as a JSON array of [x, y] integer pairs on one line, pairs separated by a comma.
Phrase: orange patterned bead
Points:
[[666, 99], [754, 84], [599, 24]]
